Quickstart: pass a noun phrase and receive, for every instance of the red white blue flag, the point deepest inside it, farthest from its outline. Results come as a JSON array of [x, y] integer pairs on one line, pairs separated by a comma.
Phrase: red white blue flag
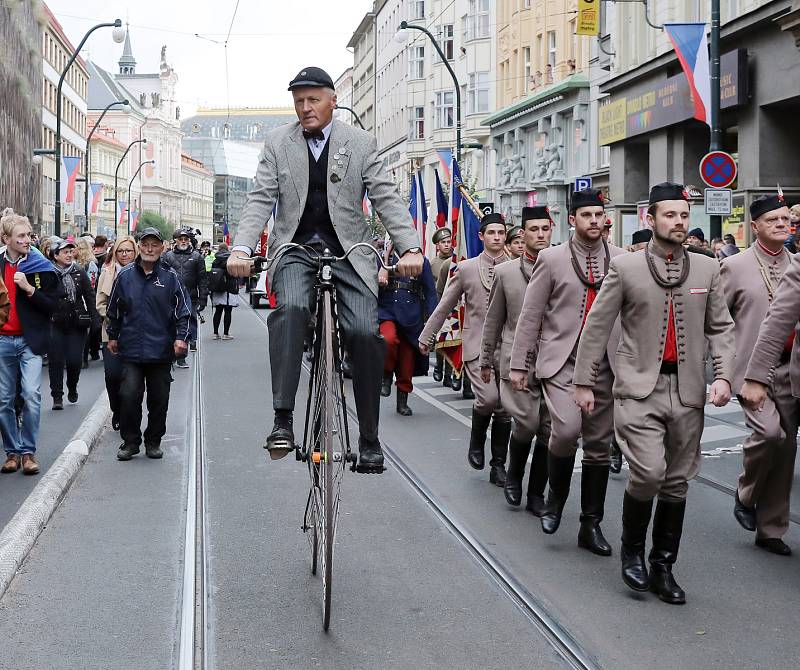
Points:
[[689, 40], [418, 209], [445, 158], [121, 215], [441, 203], [96, 192], [69, 166], [455, 196], [226, 233]]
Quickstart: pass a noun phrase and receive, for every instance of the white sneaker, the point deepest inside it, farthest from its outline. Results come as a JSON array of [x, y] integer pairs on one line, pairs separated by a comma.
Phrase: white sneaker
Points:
[[215, 336]]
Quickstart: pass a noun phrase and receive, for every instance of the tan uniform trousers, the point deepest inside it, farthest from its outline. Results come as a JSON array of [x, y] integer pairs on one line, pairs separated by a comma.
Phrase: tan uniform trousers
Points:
[[768, 458], [660, 438], [568, 422], [487, 396], [531, 418]]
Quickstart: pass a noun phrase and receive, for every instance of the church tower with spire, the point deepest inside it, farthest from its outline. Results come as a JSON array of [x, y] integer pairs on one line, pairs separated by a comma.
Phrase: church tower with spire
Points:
[[127, 63]]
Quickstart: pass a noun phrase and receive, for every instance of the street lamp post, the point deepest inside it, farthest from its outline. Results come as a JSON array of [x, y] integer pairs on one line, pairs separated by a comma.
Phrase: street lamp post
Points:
[[124, 103], [401, 37], [116, 182], [119, 36], [355, 116], [715, 222], [130, 183]]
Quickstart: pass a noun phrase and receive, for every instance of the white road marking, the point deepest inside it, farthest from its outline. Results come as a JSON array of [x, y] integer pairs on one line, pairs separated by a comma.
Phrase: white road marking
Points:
[[461, 404], [440, 391], [721, 432]]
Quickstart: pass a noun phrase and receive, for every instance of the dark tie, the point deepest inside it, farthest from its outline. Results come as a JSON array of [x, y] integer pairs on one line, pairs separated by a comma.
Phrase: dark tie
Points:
[[313, 135]]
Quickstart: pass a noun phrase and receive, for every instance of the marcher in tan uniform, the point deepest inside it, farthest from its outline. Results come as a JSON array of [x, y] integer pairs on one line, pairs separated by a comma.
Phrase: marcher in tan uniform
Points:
[[564, 284], [440, 264], [473, 279], [751, 281], [670, 302], [531, 419], [515, 242]]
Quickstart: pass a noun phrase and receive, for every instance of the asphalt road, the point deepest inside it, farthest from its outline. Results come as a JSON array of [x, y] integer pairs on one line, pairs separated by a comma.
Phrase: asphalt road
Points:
[[102, 586]]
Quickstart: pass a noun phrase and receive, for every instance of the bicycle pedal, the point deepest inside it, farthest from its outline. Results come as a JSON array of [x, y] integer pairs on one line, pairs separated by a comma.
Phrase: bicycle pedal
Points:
[[369, 469]]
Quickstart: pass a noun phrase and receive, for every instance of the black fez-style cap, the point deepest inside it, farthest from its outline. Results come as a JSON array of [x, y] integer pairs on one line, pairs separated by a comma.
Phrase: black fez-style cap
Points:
[[639, 236], [537, 212], [668, 191], [513, 233], [764, 204], [151, 232], [488, 219], [590, 197], [440, 234], [311, 76]]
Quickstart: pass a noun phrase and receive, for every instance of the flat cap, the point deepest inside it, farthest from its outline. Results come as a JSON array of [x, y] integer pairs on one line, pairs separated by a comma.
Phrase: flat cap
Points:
[[489, 219], [59, 243], [311, 76], [513, 233], [151, 232], [590, 197], [668, 191], [643, 235], [440, 234], [766, 203], [537, 212]]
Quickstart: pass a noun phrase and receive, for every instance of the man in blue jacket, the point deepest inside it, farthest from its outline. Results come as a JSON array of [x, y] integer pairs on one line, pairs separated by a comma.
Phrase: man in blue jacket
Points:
[[148, 325]]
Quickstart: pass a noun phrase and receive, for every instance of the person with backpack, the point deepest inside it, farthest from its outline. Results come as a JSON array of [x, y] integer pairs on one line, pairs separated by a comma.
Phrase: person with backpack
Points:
[[75, 315], [224, 293]]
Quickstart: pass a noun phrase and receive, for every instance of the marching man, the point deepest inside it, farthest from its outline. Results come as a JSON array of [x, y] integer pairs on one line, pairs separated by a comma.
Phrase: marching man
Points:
[[671, 302], [473, 279], [525, 407], [564, 284], [753, 280]]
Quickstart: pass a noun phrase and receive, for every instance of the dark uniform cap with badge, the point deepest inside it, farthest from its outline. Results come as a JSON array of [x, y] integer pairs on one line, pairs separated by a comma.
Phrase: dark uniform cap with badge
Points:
[[440, 234], [590, 197], [513, 234], [640, 236], [311, 76], [668, 191], [151, 232], [766, 203], [537, 212], [489, 219]]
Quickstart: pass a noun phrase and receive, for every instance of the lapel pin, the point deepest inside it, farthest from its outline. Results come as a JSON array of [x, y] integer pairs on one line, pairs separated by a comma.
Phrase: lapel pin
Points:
[[335, 178]]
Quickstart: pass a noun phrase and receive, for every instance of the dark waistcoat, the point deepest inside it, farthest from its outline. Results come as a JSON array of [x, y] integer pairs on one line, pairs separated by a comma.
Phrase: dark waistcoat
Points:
[[316, 219]]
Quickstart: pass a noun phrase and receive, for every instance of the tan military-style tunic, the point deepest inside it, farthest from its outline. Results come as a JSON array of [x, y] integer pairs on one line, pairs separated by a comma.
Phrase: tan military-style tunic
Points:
[[658, 413], [751, 281], [551, 319], [439, 267], [473, 280], [505, 302]]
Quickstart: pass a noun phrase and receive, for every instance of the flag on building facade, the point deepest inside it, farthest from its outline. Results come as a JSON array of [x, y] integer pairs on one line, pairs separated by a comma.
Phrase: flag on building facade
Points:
[[689, 40], [69, 169], [445, 158], [418, 209], [121, 211], [96, 192]]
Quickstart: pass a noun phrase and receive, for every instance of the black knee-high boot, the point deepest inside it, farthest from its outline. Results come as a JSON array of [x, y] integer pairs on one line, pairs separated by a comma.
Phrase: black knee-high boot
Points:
[[594, 480], [667, 531], [477, 440], [559, 471], [635, 519], [537, 479]]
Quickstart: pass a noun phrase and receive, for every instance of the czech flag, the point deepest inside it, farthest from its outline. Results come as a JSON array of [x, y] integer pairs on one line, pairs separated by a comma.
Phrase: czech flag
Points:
[[226, 233], [96, 190], [366, 205], [689, 40], [418, 209], [455, 196], [134, 220], [121, 215], [441, 203], [69, 166], [445, 158]]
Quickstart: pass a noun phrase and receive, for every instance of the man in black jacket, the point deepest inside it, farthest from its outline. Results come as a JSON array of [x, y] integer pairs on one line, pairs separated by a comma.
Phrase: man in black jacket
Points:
[[191, 269], [34, 292], [148, 326]]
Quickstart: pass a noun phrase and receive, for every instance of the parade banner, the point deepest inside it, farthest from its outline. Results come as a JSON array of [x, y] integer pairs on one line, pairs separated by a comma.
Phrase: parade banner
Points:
[[588, 22]]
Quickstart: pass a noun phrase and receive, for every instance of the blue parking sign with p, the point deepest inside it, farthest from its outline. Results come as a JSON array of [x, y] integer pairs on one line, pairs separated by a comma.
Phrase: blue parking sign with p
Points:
[[582, 183]]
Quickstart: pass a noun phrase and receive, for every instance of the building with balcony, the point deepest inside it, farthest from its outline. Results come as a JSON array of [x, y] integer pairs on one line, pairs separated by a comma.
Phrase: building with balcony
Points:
[[362, 43], [105, 155]]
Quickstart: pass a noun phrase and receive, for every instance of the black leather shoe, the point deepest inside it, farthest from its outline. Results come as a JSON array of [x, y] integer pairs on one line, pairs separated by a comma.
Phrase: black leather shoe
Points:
[[455, 383], [635, 519], [370, 457], [58, 402], [182, 364], [477, 440], [497, 475], [774, 545], [560, 473], [153, 451], [746, 516], [615, 465], [386, 384], [127, 452], [535, 505], [594, 479], [402, 404], [437, 375], [72, 396], [517, 458], [667, 531], [281, 440]]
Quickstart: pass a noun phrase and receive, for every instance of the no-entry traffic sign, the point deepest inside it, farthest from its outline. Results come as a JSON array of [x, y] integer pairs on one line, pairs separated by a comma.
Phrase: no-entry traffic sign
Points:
[[718, 169]]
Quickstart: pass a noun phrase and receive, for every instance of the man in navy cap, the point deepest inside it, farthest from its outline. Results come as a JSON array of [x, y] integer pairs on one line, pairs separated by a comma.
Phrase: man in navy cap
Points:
[[669, 304], [316, 172], [762, 308]]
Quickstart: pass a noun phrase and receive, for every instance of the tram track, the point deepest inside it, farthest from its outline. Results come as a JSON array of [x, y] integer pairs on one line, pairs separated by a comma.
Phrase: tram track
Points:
[[559, 638]]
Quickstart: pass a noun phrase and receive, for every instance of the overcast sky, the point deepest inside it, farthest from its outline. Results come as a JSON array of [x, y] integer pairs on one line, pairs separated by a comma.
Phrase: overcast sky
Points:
[[271, 40]]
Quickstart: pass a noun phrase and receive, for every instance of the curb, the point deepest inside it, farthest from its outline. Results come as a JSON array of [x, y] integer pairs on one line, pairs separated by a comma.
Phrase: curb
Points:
[[21, 533]]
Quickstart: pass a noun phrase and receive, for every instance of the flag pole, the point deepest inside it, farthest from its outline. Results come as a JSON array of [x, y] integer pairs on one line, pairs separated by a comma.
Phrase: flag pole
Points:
[[470, 200]]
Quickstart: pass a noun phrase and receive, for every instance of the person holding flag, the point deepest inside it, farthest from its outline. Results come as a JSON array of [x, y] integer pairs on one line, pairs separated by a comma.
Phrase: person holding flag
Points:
[[472, 280]]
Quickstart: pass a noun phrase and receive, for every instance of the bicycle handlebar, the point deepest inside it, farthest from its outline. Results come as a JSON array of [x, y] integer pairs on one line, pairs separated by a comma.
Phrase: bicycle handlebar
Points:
[[263, 262]]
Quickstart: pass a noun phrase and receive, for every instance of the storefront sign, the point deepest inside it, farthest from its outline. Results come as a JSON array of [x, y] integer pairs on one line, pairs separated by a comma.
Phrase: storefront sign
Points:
[[588, 17], [734, 223], [661, 104]]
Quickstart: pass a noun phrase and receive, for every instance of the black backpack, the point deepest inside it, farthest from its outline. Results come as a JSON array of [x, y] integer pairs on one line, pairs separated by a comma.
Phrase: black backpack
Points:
[[218, 280]]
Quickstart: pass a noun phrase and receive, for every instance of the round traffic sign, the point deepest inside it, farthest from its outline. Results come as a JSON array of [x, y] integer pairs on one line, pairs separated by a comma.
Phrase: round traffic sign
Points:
[[718, 169]]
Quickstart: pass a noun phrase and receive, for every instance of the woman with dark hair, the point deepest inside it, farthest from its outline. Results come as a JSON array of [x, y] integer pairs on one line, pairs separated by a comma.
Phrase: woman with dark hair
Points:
[[224, 293]]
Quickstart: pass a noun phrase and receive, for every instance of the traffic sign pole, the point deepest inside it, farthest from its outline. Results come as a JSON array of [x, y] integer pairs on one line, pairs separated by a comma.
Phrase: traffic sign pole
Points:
[[718, 171]]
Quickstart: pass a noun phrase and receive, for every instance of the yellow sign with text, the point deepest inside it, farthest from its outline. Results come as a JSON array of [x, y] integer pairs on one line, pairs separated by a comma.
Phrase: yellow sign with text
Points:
[[588, 17], [613, 121]]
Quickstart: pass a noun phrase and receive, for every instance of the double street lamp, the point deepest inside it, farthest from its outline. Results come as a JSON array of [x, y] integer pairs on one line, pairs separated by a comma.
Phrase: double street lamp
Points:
[[130, 183], [115, 199], [119, 36], [124, 104]]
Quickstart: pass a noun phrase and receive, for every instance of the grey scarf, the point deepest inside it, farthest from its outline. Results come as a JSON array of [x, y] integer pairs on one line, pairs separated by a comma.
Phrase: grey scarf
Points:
[[68, 281]]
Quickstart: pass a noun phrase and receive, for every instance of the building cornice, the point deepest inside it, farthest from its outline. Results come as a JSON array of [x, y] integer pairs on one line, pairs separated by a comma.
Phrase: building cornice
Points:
[[546, 96]]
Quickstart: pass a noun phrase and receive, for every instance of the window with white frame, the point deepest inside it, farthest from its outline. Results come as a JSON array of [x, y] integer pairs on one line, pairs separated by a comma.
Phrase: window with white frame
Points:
[[526, 68], [446, 39], [551, 49], [478, 93], [417, 9], [443, 112], [416, 123], [477, 25], [416, 62]]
